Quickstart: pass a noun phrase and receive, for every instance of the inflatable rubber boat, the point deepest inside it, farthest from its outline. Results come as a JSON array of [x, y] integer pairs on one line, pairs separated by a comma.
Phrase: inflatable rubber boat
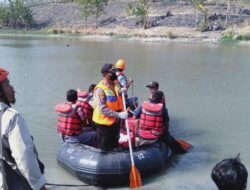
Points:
[[101, 168]]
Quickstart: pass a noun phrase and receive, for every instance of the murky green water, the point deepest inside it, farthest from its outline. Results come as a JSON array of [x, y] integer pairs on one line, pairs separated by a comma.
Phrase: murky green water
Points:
[[206, 86]]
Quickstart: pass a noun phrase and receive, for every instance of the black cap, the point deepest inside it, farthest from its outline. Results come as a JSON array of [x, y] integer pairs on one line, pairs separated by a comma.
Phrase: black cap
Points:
[[107, 67], [153, 84]]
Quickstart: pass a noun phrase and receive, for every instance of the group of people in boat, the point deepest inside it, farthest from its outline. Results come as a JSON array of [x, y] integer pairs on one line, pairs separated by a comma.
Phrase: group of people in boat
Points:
[[96, 117], [20, 167]]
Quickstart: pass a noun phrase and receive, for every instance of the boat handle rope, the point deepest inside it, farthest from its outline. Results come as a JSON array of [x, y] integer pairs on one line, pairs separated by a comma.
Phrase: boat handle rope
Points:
[[67, 185]]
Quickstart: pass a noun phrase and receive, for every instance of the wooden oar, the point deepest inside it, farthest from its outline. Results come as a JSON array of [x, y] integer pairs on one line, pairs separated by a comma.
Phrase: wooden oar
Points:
[[134, 176]]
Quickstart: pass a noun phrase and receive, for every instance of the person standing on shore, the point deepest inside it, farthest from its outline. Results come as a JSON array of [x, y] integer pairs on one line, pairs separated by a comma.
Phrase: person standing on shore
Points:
[[20, 166], [108, 109]]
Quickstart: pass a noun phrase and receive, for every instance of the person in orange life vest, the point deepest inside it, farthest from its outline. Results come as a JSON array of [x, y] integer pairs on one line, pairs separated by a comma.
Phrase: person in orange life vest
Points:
[[87, 110], [154, 86], [154, 122], [91, 95], [107, 109], [70, 122]]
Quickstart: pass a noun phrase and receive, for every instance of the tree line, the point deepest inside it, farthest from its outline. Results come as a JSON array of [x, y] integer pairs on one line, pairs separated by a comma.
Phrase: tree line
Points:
[[16, 15]]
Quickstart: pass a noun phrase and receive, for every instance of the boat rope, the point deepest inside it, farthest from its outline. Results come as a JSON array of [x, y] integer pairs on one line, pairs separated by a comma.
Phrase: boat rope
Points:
[[67, 185], [133, 95]]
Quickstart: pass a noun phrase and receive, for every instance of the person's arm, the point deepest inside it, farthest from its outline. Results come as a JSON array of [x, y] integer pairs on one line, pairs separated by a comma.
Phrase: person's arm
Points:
[[130, 81], [137, 112], [80, 113], [122, 81], [101, 104], [22, 150], [165, 117]]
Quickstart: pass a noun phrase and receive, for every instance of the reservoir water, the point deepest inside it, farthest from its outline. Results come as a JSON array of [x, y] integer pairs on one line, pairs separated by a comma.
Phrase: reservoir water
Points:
[[206, 87]]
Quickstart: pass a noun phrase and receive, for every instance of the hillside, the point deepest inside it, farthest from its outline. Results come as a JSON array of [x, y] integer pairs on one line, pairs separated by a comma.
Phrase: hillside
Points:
[[172, 20]]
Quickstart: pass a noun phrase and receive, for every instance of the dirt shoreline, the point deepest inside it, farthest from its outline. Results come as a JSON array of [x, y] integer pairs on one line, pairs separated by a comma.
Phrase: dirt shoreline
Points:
[[212, 38]]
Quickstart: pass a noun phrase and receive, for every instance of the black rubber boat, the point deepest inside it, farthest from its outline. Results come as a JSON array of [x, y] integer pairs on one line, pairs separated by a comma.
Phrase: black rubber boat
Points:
[[96, 167]]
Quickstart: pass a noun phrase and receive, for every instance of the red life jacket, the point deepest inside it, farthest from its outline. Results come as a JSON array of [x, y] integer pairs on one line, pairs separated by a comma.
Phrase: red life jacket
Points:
[[86, 107], [69, 122], [151, 121]]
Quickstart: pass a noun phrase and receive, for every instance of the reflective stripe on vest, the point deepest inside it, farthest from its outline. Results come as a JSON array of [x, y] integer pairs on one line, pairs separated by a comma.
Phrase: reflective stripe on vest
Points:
[[69, 123], [113, 102], [151, 120]]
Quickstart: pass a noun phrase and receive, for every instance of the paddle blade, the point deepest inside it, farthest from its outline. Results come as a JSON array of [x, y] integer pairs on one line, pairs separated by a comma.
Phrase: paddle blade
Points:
[[135, 178], [184, 144]]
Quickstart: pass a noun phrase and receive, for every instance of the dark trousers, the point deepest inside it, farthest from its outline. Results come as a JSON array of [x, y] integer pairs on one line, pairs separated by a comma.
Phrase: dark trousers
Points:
[[108, 136], [170, 141]]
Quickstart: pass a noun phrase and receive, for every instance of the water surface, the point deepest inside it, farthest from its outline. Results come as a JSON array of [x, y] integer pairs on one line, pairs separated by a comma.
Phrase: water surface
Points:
[[206, 87]]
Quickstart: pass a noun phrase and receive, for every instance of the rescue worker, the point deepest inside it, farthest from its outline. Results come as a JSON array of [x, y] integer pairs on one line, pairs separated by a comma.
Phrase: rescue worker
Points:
[[107, 109], [131, 102], [154, 123], [121, 77], [71, 120], [154, 86], [20, 166]]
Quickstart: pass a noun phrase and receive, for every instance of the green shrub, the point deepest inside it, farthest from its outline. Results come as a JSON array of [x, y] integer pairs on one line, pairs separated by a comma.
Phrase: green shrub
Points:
[[170, 35], [228, 35], [202, 26], [242, 37]]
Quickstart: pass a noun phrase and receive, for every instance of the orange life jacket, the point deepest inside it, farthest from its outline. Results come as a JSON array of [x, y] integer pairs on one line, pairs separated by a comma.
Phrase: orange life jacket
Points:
[[113, 102], [69, 122], [82, 101], [151, 121]]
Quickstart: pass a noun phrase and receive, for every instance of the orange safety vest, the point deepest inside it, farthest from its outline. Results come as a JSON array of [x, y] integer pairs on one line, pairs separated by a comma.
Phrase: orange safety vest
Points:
[[151, 121], [69, 122], [113, 102]]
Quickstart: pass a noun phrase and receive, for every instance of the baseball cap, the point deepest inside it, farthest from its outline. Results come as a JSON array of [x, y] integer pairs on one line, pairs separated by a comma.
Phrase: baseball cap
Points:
[[153, 84], [107, 67]]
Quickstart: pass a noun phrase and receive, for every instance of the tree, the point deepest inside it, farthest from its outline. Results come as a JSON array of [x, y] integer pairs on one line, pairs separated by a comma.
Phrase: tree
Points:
[[199, 7], [92, 7], [140, 10], [86, 9], [16, 15]]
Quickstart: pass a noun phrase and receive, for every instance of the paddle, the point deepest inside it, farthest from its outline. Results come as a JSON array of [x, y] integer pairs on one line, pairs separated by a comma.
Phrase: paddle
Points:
[[134, 177], [184, 144]]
